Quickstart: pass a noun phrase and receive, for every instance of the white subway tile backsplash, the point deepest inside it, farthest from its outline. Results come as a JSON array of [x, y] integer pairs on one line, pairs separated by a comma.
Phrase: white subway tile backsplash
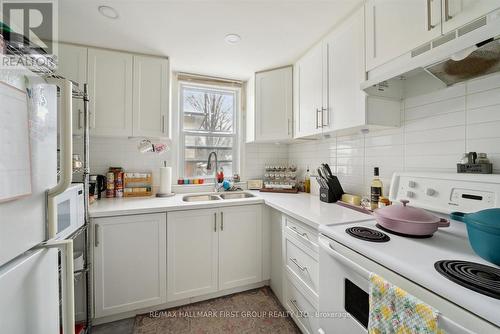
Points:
[[483, 99], [483, 83], [484, 130], [439, 95], [436, 122], [483, 114], [437, 128], [441, 107], [433, 135]]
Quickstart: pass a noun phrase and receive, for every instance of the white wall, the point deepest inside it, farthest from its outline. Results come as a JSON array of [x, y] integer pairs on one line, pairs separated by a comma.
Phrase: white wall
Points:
[[122, 152], [437, 128]]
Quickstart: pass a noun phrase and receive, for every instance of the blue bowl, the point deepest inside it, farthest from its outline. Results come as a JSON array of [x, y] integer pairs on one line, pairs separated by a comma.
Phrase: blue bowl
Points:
[[484, 235]]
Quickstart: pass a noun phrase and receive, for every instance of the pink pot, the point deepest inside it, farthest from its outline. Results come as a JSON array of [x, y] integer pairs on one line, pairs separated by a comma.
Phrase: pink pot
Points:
[[409, 220]]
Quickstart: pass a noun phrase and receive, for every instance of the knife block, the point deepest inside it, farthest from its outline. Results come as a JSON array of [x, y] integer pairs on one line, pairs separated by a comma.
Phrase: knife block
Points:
[[326, 195]]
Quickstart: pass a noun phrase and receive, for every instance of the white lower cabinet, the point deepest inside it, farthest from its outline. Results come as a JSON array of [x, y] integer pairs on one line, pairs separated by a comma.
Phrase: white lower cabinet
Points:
[[300, 273], [192, 253], [213, 249], [129, 263], [302, 309], [240, 246]]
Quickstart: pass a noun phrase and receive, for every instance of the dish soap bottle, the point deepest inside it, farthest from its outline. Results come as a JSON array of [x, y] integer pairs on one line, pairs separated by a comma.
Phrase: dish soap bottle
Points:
[[376, 189], [307, 181]]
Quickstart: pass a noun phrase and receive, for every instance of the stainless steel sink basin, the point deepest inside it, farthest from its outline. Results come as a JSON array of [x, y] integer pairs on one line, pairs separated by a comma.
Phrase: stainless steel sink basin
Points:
[[200, 198], [235, 195]]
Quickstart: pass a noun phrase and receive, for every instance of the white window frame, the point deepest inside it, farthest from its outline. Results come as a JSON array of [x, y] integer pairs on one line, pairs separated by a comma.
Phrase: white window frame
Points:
[[236, 151]]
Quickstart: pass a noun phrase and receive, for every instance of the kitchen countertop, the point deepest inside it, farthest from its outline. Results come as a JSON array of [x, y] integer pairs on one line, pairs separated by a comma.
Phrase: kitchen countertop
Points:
[[304, 207]]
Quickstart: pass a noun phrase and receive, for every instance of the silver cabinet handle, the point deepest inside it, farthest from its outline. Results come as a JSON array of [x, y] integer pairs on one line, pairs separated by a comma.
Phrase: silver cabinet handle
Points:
[[294, 303], [318, 110], [323, 110], [96, 235], [215, 221], [222, 221], [447, 15], [163, 124], [289, 123], [303, 234], [429, 16], [80, 117], [295, 262]]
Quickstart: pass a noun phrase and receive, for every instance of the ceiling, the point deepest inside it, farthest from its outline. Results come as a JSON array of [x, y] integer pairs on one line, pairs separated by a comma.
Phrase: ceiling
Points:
[[191, 33]]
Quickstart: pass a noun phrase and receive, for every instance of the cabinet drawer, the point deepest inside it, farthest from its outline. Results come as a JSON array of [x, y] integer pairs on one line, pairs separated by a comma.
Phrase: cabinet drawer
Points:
[[302, 310], [303, 265], [301, 232]]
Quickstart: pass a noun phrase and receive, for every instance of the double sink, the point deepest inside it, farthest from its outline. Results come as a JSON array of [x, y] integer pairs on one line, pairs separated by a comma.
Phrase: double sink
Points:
[[216, 197]]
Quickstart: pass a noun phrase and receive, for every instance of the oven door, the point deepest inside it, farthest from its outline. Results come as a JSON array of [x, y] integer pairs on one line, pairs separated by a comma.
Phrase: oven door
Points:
[[343, 293]]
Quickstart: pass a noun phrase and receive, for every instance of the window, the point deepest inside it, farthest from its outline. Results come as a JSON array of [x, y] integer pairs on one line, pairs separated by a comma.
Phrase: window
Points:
[[208, 123]]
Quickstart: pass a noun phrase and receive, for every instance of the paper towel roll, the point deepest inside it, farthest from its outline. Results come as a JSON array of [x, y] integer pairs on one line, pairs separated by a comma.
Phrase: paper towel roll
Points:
[[165, 180]]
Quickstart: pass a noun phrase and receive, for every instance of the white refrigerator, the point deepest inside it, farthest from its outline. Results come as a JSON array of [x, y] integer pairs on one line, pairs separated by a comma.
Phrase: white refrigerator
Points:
[[36, 296]]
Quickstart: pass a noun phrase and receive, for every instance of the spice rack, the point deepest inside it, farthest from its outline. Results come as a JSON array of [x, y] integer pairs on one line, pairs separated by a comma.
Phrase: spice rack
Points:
[[137, 184]]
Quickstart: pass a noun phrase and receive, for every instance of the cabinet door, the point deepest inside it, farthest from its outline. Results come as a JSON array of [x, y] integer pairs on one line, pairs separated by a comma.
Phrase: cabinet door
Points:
[[310, 88], [459, 12], [240, 246], [150, 97], [110, 90], [72, 64], [346, 70], [395, 27], [273, 105], [129, 263], [192, 248]]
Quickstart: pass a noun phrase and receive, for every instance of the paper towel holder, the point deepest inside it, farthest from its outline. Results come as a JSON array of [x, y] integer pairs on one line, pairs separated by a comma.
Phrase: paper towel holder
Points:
[[165, 194]]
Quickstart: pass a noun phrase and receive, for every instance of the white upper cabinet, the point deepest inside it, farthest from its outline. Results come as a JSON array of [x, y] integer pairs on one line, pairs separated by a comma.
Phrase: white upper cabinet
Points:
[[150, 96], [129, 263], [110, 92], [72, 64], [349, 106], [346, 72], [459, 12], [394, 27], [311, 100], [273, 105]]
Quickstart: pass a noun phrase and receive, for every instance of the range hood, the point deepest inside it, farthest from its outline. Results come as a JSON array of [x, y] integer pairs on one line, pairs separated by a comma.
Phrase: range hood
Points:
[[468, 52], [470, 63]]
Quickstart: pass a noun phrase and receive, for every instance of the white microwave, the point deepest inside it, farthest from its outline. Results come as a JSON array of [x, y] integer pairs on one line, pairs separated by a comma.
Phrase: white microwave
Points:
[[70, 211]]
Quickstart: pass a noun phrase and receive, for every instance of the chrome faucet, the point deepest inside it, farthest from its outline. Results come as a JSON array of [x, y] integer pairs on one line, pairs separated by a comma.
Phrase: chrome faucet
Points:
[[209, 167]]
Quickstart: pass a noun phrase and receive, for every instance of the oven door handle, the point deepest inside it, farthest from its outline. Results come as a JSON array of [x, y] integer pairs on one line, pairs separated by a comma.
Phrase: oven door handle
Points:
[[327, 246]]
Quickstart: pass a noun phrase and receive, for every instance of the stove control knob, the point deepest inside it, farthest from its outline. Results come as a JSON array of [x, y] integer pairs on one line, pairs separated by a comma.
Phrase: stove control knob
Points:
[[412, 184], [430, 192], [410, 194]]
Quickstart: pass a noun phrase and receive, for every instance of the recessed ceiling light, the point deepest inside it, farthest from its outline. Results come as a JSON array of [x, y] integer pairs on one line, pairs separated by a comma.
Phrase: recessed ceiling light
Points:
[[232, 39], [108, 12]]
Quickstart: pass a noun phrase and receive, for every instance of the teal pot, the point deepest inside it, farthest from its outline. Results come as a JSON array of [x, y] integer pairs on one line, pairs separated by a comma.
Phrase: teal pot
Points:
[[483, 228]]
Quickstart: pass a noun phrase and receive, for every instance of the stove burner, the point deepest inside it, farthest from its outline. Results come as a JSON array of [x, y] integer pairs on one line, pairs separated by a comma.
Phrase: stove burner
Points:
[[474, 276], [403, 234], [367, 234]]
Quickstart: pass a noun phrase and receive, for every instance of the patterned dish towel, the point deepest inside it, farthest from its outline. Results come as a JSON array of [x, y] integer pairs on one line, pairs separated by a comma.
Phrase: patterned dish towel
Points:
[[394, 311]]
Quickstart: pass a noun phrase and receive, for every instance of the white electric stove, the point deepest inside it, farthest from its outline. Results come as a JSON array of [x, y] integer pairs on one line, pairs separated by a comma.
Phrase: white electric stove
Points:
[[350, 252]]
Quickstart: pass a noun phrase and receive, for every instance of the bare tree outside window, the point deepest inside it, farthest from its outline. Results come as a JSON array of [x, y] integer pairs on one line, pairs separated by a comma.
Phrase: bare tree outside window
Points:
[[208, 125]]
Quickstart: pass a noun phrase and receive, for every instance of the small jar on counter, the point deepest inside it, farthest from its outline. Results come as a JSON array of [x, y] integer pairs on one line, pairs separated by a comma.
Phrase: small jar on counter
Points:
[[383, 201]]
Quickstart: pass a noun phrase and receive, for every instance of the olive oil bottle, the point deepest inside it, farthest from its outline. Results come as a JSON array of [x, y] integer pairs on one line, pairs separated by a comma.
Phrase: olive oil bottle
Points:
[[375, 189]]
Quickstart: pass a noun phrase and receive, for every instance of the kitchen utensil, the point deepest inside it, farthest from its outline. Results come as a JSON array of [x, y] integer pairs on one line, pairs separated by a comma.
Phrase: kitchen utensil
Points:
[[409, 220], [483, 228]]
